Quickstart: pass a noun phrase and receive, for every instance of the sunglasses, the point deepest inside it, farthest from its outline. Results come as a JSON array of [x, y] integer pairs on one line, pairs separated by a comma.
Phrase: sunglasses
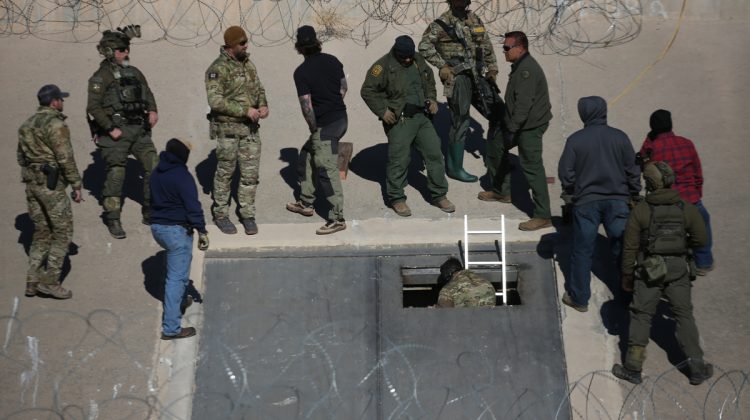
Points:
[[122, 49], [507, 48]]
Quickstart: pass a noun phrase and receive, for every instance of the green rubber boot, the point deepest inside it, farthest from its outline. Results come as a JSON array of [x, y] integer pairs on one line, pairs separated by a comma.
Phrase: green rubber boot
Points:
[[454, 164]]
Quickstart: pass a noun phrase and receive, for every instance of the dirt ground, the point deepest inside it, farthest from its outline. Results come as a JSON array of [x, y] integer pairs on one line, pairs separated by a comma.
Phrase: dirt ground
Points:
[[97, 355]]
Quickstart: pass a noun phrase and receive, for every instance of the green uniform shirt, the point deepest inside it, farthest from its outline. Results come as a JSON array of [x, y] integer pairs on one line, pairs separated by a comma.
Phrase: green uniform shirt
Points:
[[438, 48], [115, 89], [45, 138], [527, 103], [467, 289], [233, 87], [385, 85]]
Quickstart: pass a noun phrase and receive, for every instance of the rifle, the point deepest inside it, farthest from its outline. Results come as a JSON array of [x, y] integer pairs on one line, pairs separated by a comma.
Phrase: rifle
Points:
[[484, 90]]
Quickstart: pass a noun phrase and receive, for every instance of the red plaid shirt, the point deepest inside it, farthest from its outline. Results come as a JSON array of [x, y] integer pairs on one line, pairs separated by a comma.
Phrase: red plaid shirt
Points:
[[679, 153]]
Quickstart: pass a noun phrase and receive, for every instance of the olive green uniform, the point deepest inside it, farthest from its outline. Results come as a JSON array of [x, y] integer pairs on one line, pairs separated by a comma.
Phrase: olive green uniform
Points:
[[440, 49], [466, 289], [389, 85], [527, 116], [676, 287], [119, 97], [233, 87], [44, 139]]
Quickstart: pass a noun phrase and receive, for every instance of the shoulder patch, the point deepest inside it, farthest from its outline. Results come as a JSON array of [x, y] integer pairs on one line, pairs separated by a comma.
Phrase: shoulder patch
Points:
[[479, 29], [213, 75], [376, 70], [525, 74]]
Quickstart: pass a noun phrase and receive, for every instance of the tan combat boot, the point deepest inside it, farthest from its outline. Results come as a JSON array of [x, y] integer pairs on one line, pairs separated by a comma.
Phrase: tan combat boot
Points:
[[54, 290], [445, 205], [493, 196], [535, 223], [401, 209]]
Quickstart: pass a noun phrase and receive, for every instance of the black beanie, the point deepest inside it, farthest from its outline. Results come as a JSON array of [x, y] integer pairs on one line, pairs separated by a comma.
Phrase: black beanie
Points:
[[660, 122], [179, 149], [404, 46]]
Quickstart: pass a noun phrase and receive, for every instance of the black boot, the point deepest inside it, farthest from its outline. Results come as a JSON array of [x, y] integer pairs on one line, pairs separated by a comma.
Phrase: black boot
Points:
[[115, 228], [700, 371], [454, 164], [626, 374]]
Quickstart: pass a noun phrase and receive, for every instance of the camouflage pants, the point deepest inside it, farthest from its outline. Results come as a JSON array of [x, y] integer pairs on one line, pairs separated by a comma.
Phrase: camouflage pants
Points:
[[135, 140], [231, 152], [319, 156], [53, 230]]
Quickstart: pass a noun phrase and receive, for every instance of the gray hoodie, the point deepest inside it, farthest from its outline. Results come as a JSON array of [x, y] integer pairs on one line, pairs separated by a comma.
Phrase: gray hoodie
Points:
[[598, 162]]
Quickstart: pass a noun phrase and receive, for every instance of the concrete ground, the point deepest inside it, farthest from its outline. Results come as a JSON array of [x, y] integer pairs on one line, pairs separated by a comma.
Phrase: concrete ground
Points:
[[98, 355]]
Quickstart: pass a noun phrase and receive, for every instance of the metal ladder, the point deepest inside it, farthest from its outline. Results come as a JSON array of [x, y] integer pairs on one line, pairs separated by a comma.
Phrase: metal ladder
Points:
[[468, 264]]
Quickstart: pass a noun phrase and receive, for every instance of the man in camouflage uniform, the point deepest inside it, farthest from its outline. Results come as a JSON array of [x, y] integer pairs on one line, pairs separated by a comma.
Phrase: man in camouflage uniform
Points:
[[238, 102], [122, 112], [47, 168], [463, 288], [400, 90], [442, 46]]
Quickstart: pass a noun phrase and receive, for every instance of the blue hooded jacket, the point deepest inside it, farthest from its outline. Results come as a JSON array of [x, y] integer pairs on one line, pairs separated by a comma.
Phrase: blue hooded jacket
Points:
[[598, 162], [174, 195]]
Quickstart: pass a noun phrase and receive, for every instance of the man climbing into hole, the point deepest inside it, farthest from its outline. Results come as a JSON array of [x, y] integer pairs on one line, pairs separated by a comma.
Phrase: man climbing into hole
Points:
[[463, 288]]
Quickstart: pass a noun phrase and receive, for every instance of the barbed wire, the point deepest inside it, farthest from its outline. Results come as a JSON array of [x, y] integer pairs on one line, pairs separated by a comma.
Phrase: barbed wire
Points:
[[567, 27], [78, 388]]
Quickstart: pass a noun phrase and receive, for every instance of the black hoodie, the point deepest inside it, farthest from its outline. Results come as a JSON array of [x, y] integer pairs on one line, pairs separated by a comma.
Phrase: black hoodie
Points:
[[174, 195], [598, 162]]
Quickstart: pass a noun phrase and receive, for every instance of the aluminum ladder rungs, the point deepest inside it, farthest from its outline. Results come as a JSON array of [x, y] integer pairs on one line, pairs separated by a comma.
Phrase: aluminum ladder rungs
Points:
[[501, 263]]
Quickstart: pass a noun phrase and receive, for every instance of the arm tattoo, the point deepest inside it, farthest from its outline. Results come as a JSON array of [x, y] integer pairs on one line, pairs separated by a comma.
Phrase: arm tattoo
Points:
[[305, 102], [344, 87]]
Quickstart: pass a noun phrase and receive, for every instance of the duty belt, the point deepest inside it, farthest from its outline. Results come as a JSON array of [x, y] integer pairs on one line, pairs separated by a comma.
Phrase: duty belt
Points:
[[128, 119], [411, 110]]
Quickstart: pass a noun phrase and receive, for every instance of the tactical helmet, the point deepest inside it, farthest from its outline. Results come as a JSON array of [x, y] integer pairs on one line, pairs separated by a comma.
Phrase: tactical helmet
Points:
[[658, 175], [120, 38]]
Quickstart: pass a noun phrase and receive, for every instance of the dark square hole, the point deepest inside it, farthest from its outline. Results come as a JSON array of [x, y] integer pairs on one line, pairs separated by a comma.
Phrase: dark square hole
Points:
[[419, 285]]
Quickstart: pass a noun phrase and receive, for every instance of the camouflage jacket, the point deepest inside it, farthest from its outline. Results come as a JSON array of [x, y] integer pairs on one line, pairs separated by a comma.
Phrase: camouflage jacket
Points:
[[232, 88], [438, 48], [527, 103], [465, 289], [115, 89], [385, 84], [44, 138]]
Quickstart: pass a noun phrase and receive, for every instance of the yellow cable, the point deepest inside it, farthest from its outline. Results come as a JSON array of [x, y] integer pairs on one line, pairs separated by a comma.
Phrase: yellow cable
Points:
[[650, 66]]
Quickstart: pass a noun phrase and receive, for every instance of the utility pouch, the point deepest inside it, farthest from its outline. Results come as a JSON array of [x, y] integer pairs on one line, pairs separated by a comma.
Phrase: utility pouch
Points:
[[655, 269], [52, 176]]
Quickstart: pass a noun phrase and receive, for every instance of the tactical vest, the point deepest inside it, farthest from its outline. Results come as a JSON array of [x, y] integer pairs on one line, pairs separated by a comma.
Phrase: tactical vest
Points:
[[666, 234], [127, 94]]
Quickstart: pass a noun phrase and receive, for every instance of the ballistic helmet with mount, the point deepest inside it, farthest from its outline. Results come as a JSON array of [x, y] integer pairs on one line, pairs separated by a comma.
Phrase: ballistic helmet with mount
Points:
[[658, 175], [119, 38]]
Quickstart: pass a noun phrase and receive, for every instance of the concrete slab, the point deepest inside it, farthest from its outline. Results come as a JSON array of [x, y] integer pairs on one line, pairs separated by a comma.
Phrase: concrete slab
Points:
[[323, 334]]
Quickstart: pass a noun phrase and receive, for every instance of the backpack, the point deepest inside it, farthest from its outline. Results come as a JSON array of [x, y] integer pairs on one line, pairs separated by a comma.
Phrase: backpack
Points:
[[666, 236], [666, 230]]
